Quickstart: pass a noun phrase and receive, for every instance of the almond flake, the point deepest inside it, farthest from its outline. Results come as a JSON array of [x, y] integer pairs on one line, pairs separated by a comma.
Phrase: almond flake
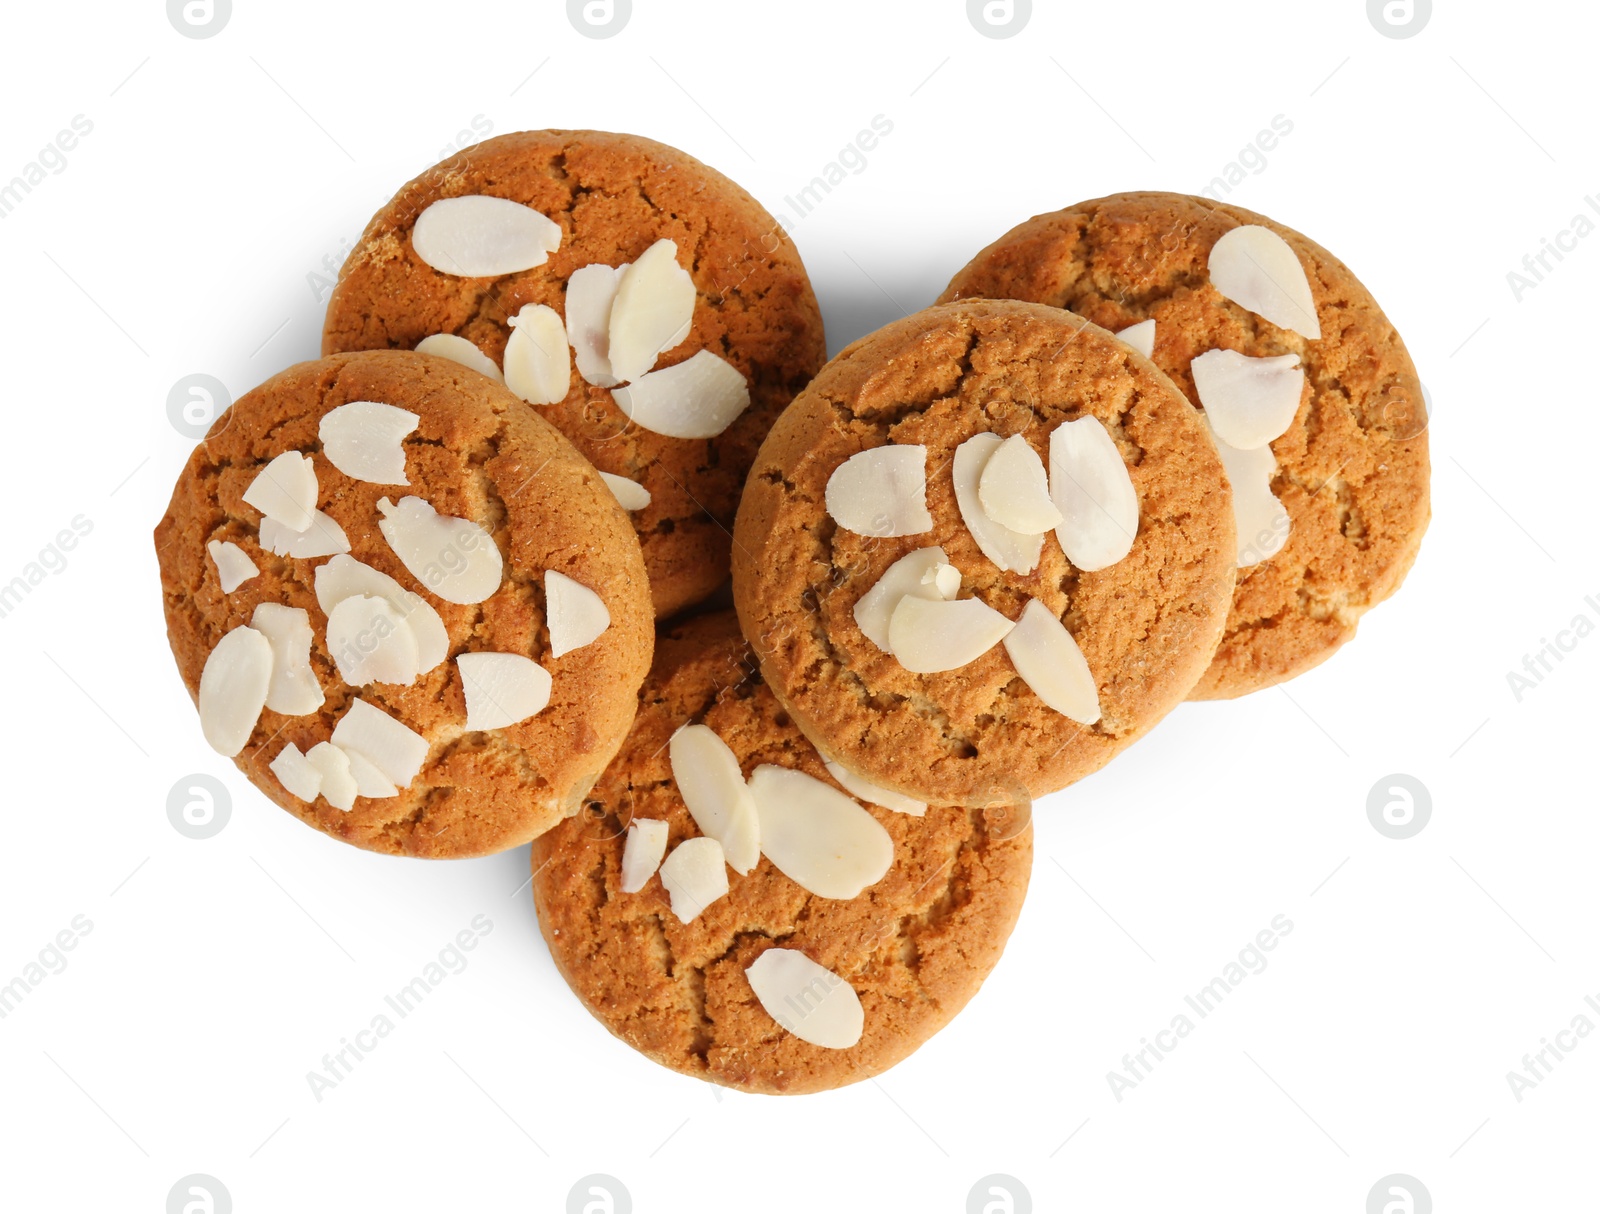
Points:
[[233, 689], [395, 749], [452, 557], [299, 776], [590, 292], [806, 999], [641, 854], [1248, 401], [1011, 550], [537, 365], [881, 492], [651, 312], [294, 690], [574, 614], [1256, 268], [477, 236], [502, 689], [1013, 491], [922, 573], [816, 836], [927, 637], [1259, 519], [363, 439], [630, 495], [694, 876], [1050, 662], [712, 786], [323, 538], [338, 786], [370, 782], [370, 642], [345, 576], [460, 350], [234, 566], [697, 398], [874, 795], [285, 491], [1090, 485], [1142, 336]]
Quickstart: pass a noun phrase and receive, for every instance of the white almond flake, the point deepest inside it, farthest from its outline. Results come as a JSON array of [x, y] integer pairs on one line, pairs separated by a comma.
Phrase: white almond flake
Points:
[[1259, 519], [712, 786], [395, 749], [285, 491], [1013, 491], [370, 782], [1091, 486], [881, 492], [1011, 550], [694, 876], [294, 690], [590, 292], [323, 538], [363, 439], [1050, 662], [233, 689], [299, 776], [1248, 401], [872, 793], [816, 836], [453, 558], [477, 236], [574, 614], [651, 312], [1142, 336], [234, 566], [538, 367], [333, 767], [344, 576], [460, 350], [927, 637], [806, 999], [920, 573], [698, 398], [642, 852], [1256, 268], [502, 689], [370, 642], [630, 495]]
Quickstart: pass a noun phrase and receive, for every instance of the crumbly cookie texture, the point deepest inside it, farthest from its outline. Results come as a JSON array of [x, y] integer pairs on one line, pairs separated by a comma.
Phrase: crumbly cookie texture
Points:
[[477, 453], [1147, 625], [915, 946], [1353, 465], [613, 196]]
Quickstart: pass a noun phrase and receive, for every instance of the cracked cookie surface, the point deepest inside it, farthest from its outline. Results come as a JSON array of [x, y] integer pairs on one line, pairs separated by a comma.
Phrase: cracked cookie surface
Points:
[[477, 453]]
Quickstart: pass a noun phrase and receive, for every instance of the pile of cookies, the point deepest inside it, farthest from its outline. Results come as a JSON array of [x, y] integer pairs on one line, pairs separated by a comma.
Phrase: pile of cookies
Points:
[[462, 583]]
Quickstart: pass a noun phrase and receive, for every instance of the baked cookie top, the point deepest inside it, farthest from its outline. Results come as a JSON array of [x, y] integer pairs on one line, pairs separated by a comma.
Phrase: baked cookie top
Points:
[[908, 951], [1350, 470], [1030, 674], [389, 673], [608, 198]]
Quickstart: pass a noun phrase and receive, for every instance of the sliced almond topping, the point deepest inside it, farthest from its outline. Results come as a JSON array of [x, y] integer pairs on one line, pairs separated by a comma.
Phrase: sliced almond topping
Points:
[[816, 836], [630, 495], [453, 557], [286, 491], [1011, 550], [882, 491], [920, 573], [712, 786], [297, 774], [574, 614], [233, 689], [234, 566], [370, 782], [697, 398], [332, 764], [345, 576], [363, 440], [590, 292], [1090, 485], [476, 236], [812, 1002], [652, 311], [927, 637], [502, 688], [1256, 268], [395, 750], [1050, 662], [694, 876], [294, 690], [1142, 336], [323, 538], [641, 854], [538, 367], [370, 642], [460, 350], [873, 794], [1248, 401], [1013, 491], [1259, 519]]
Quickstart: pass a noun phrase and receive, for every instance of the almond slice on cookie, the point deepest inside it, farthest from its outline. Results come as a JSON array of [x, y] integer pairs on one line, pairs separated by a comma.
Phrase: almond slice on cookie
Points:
[[652, 311], [697, 398], [816, 836], [1012, 551], [642, 853], [925, 573], [1013, 490], [363, 440], [300, 777], [1260, 521], [807, 999], [234, 566], [695, 875], [323, 538], [881, 492], [872, 794], [397, 750], [335, 780], [574, 614], [1255, 268], [630, 495], [591, 292], [1091, 487], [713, 788], [460, 350], [928, 637], [1142, 336], [479, 236], [370, 642], [285, 491], [454, 558], [537, 366], [1051, 664], [502, 689], [1248, 401], [233, 689], [293, 689]]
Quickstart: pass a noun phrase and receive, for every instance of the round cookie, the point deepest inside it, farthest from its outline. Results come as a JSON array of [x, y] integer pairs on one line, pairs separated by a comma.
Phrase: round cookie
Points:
[[477, 453], [1352, 468], [613, 196], [914, 947], [1147, 624]]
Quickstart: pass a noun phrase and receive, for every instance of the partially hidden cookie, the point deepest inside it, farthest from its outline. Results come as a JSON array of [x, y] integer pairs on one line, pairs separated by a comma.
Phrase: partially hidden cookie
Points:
[[741, 993], [1334, 504], [924, 643], [726, 300], [408, 609]]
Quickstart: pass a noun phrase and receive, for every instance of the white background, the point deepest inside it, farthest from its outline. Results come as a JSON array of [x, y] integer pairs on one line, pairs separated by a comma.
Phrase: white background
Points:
[[220, 172]]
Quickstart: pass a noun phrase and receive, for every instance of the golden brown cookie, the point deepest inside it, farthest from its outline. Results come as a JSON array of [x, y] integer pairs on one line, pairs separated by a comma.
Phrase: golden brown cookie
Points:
[[914, 947], [613, 196], [477, 453], [1352, 469], [1147, 624]]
